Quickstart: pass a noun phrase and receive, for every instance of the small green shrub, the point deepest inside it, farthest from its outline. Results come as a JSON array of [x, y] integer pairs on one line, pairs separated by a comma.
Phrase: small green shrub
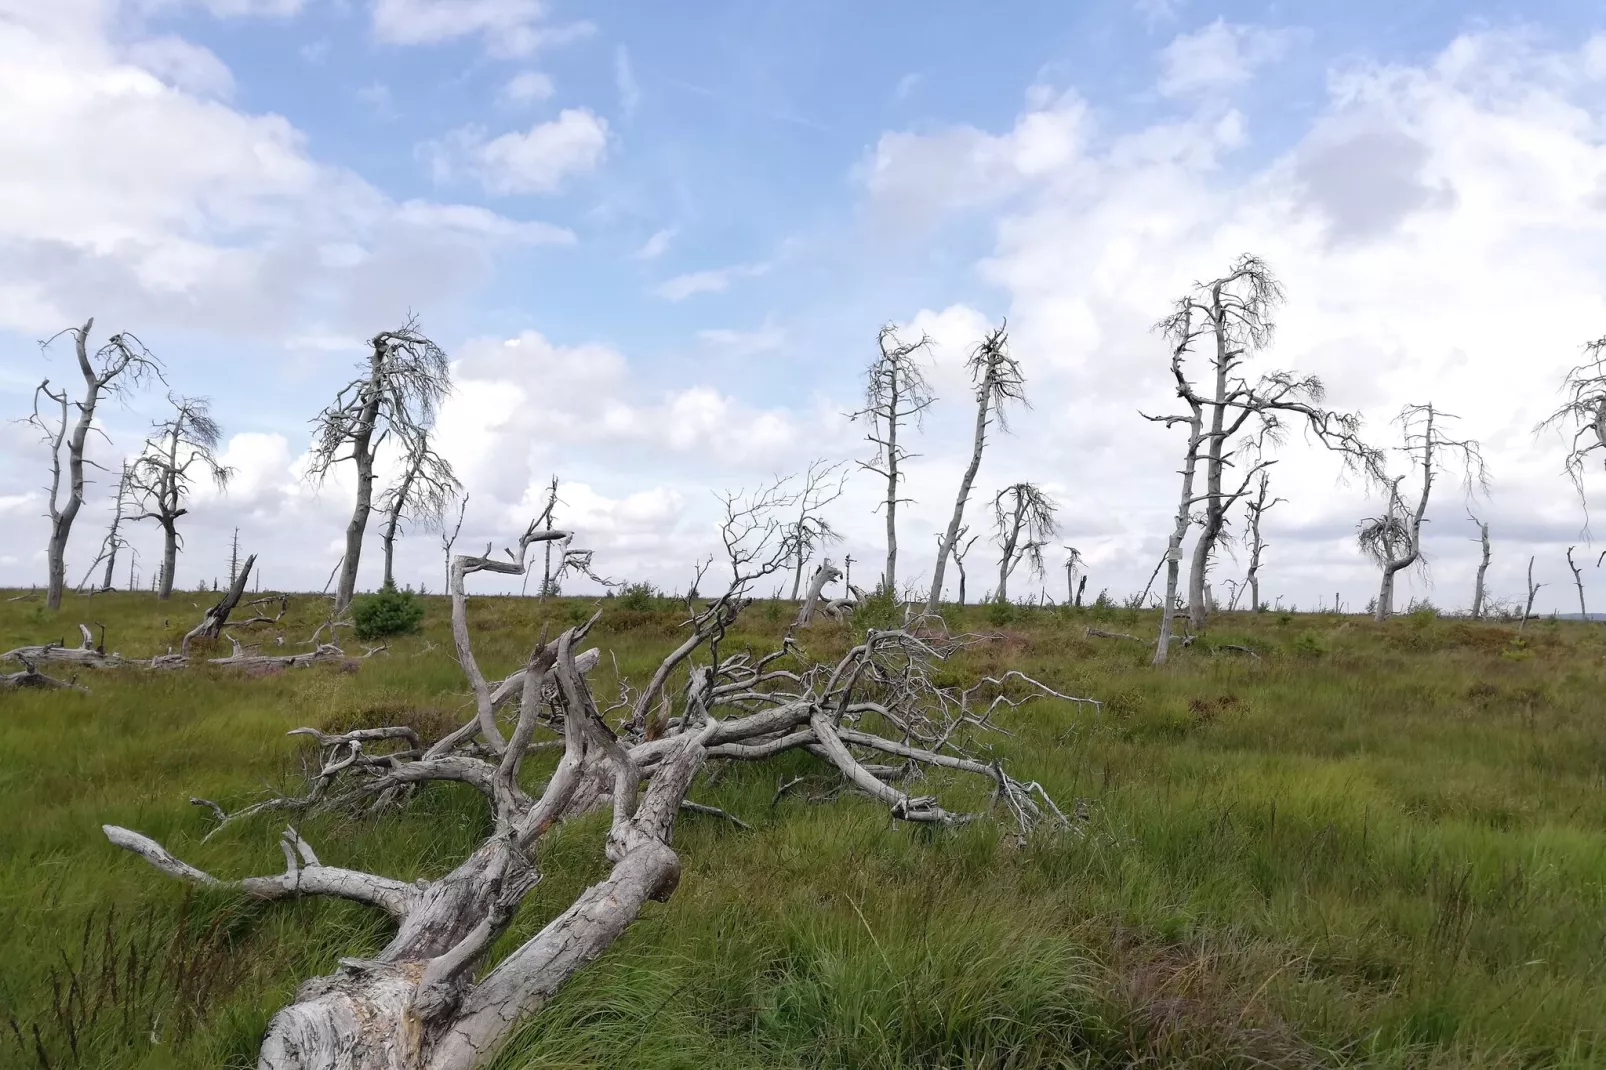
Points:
[[638, 596], [388, 611], [1000, 612], [1306, 645]]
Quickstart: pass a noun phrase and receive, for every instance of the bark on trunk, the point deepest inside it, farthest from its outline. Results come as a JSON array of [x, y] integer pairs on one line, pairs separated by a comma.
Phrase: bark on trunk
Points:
[[1215, 507], [1483, 567], [362, 452], [169, 559], [826, 573], [212, 622], [1179, 532], [966, 482], [61, 520]]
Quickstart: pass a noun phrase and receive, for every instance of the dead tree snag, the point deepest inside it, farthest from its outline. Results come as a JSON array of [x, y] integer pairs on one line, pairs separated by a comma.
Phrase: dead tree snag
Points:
[[896, 392], [425, 1001]]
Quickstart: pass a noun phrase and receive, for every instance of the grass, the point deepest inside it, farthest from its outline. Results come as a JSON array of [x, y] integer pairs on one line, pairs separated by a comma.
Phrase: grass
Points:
[[1378, 846]]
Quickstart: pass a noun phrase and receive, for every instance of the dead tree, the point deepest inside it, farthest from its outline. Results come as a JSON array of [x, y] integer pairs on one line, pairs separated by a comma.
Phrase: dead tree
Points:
[[546, 519], [424, 1001], [1483, 568], [1256, 507], [212, 622], [1585, 411], [121, 363], [896, 392], [810, 531], [1024, 518], [1232, 417], [957, 551], [1073, 565], [1533, 589], [998, 381], [404, 379], [1394, 539], [824, 576], [162, 477], [1578, 578], [115, 541], [421, 496], [447, 541]]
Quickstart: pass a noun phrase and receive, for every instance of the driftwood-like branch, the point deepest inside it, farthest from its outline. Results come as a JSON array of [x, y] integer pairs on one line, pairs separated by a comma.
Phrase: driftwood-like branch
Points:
[[421, 1001], [211, 625]]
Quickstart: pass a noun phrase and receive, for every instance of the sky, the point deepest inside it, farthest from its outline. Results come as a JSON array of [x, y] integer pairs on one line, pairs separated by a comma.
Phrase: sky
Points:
[[658, 242]]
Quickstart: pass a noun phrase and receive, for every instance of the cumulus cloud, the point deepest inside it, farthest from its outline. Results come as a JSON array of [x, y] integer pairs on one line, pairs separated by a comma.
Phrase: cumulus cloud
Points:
[[528, 87], [1218, 58], [1416, 195], [537, 160], [213, 217]]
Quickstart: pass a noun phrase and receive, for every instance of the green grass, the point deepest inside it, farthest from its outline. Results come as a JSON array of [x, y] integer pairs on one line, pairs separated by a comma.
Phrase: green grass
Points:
[[1374, 846]]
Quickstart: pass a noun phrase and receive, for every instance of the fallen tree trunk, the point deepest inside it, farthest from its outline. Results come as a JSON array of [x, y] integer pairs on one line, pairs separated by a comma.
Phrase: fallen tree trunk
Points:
[[417, 1005]]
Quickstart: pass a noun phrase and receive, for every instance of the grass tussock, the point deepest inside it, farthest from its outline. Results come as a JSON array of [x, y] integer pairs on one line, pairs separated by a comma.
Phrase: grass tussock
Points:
[[1364, 846]]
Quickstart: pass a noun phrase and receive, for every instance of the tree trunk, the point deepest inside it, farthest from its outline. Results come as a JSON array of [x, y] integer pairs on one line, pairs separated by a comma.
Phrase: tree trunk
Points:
[[164, 589], [1385, 596], [1179, 532], [1483, 567], [956, 521], [61, 521], [212, 622], [1210, 530], [826, 573]]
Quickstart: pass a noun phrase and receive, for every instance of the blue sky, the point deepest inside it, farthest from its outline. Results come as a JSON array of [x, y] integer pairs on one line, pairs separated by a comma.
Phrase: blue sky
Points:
[[703, 212]]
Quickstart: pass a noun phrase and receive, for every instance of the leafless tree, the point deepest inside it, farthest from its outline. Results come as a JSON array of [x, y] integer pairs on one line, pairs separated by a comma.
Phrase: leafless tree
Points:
[[546, 520], [809, 531], [1584, 411], [960, 548], [1073, 567], [115, 541], [123, 362], [1394, 539], [896, 392], [1256, 507], [1478, 595], [1578, 578], [421, 495], [823, 576], [162, 478], [998, 381], [448, 540], [404, 379], [1533, 589], [425, 1000], [1232, 418], [1024, 518]]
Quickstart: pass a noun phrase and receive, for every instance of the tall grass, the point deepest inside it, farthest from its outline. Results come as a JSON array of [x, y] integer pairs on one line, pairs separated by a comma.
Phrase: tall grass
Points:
[[1373, 845]]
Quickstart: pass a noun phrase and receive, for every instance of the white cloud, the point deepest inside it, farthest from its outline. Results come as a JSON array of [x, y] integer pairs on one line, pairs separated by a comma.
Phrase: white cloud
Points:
[[1417, 194], [739, 344], [1217, 58], [655, 246], [212, 217], [906, 85], [624, 79], [183, 65], [538, 160], [716, 280], [511, 28], [528, 87]]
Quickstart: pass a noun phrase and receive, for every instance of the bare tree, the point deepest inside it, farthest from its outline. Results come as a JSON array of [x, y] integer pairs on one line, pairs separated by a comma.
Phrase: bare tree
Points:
[[121, 363], [1024, 518], [1073, 566], [1478, 595], [546, 521], [810, 531], [162, 479], [420, 495], [450, 539], [823, 576], [424, 1000], [1584, 409], [114, 542], [1394, 539], [1578, 578], [403, 381], [957, 551], [998, 381], [1533, 589], [1256, 507], [1231, 419], [896, 392]]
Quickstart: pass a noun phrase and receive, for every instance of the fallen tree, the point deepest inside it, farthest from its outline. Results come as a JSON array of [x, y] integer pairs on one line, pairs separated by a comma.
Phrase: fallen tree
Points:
[[875, 716]]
